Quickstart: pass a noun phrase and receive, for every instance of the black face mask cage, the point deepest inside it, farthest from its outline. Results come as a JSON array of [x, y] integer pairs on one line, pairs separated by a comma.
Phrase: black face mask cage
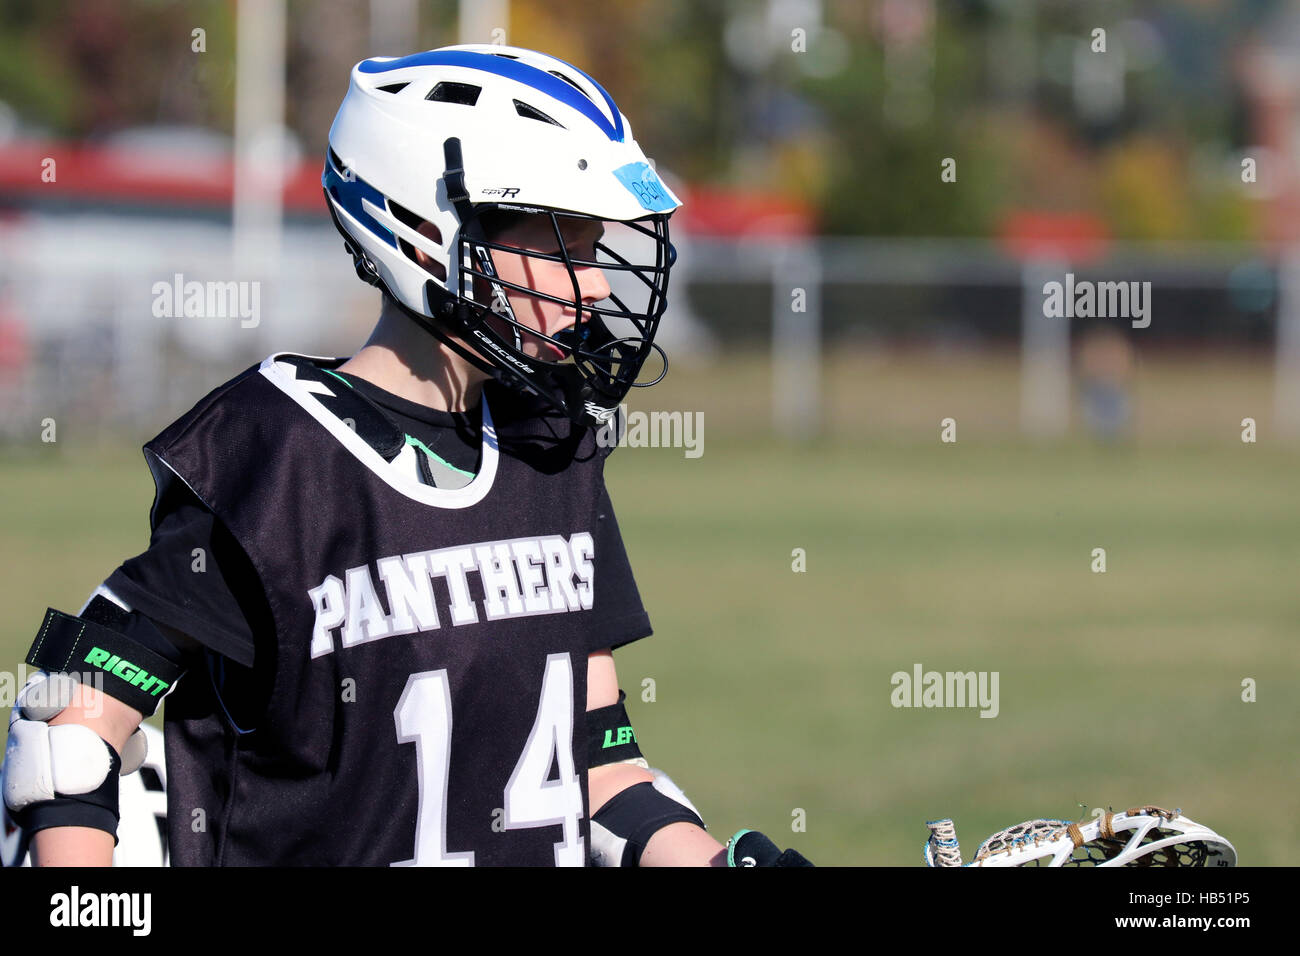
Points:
[[598, 365]]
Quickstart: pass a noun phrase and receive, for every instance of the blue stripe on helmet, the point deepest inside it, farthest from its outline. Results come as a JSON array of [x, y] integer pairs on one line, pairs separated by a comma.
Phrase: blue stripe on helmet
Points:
[[349, 193], [539, 80]]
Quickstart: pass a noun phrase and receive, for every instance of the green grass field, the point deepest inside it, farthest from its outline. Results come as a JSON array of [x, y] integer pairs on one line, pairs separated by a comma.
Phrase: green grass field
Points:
[[772, 688]]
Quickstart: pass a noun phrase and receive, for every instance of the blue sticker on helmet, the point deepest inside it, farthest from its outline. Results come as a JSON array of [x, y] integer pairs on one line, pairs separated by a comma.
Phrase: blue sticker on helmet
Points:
[[643, 183]]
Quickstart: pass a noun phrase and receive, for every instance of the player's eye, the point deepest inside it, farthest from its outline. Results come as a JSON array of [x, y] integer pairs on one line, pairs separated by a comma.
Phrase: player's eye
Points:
[[579, 240], [585, 248]]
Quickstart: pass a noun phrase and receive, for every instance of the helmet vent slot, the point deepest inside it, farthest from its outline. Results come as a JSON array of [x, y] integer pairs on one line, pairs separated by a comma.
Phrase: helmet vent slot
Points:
[[404, 215], [466, 94], [569, 81], [532, 112], [435, 269], [410, 219], [394, 87]]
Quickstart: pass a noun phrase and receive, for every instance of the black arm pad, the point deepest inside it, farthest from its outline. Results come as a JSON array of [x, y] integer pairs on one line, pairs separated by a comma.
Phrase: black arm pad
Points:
[[638, 813], [609, 735], [104, 658]]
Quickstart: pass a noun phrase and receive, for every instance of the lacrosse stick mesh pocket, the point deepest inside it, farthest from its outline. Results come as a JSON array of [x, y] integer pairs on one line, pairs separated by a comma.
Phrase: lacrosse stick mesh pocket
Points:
[[1106, 846], [1014, 837]]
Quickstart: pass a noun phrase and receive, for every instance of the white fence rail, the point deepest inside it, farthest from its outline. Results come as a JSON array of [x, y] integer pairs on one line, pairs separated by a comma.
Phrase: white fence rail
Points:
[[90, 296]]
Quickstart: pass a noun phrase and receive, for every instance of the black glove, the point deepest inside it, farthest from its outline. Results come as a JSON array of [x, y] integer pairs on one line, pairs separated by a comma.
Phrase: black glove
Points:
[[751, 848]]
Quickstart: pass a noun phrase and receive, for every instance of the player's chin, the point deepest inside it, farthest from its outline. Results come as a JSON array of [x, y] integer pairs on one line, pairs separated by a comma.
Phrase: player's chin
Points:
[[547, 352]]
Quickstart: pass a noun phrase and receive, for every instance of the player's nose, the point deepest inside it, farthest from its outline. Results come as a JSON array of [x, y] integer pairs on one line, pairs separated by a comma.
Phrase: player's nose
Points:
[[592, 284]]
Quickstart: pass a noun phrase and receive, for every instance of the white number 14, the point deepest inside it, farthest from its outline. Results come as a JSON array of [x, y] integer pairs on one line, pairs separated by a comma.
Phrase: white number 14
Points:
[[423, 717]]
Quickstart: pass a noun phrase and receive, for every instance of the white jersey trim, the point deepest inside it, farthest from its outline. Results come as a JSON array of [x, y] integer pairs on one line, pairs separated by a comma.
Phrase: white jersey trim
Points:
[[399, 474], [108, 593]]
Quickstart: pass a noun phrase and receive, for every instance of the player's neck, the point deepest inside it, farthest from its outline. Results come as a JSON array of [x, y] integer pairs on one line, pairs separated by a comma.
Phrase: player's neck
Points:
[[403, 359]]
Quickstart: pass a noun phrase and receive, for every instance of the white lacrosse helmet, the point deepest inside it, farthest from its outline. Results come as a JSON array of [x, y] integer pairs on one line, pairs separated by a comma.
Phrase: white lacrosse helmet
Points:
[[459, 136]]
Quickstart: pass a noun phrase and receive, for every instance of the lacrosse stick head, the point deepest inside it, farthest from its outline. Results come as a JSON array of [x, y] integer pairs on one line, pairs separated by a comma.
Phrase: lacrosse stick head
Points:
[[1142, 836]]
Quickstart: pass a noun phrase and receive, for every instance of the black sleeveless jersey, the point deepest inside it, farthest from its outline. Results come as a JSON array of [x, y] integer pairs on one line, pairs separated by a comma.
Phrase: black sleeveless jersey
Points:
[[418, 686]]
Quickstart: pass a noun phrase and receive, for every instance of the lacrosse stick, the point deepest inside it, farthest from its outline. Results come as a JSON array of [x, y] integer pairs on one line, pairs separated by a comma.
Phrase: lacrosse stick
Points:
[[1142, 836]]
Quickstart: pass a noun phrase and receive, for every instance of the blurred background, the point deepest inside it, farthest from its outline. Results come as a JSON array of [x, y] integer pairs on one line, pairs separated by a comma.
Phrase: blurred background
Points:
[[906, 459]]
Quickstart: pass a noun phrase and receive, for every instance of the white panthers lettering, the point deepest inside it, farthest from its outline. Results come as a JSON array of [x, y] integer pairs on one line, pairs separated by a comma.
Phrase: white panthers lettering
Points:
[[520, 577]]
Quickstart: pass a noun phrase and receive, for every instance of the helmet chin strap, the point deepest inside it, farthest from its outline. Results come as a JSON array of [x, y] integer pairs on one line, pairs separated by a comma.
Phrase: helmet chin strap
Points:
[[449, 308], [568, 382], [456, 312], [500, 301], [458, 195]]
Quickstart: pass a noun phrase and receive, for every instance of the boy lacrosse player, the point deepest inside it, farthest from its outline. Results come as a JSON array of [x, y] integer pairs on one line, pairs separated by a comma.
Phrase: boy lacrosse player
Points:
[[413, 578]]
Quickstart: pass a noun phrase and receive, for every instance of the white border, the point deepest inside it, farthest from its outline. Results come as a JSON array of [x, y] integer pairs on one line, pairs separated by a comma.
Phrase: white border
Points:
[[400, 478]]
